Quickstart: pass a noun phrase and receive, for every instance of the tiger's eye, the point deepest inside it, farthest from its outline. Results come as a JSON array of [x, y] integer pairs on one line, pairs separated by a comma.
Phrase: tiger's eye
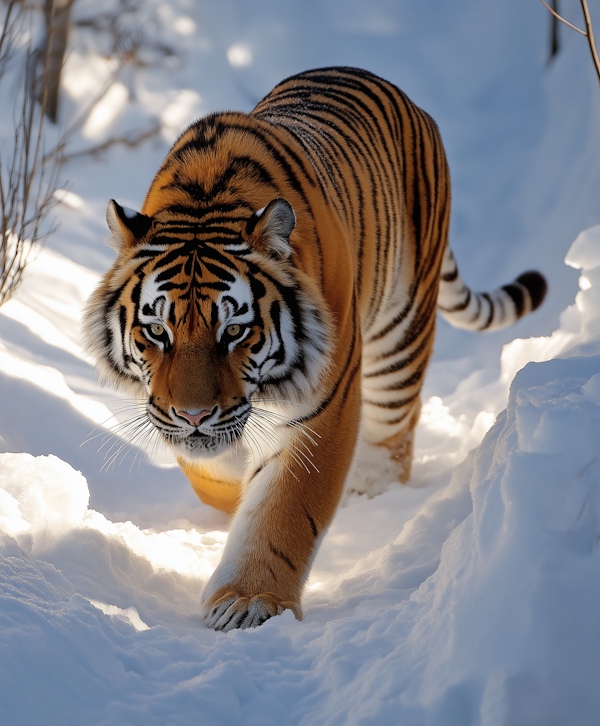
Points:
[[157, 330], [233, 330]]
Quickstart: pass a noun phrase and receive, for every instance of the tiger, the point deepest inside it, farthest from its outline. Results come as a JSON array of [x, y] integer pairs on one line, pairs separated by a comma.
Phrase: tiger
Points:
[[276, 295]]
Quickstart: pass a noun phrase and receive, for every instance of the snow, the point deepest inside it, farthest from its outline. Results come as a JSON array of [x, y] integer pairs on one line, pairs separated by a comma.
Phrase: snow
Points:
[[470, 596]]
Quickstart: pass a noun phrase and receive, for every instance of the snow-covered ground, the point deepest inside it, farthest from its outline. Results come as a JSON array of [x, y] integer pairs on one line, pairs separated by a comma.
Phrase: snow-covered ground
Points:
[[470, 596]]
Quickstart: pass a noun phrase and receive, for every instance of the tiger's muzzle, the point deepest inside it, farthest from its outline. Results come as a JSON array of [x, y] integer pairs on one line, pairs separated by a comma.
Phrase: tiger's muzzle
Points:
[[202, 433]]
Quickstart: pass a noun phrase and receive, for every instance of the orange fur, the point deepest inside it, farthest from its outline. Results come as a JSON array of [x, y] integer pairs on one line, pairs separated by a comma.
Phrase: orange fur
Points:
[[280, 282]]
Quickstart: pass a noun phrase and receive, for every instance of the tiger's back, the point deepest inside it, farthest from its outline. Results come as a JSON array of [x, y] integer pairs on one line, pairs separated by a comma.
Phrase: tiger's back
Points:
[[381, 166], [365, 172], [279, 286]]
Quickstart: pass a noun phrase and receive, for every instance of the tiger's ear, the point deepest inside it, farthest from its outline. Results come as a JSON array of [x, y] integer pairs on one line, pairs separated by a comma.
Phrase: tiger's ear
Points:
[[126, 225], [269, 229]]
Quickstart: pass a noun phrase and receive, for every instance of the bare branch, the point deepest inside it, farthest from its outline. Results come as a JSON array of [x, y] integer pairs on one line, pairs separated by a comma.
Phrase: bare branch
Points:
[[29, 175], [132, 139], [590, 36], [136, 43], [566, 22], [132, 43], [28, 180]]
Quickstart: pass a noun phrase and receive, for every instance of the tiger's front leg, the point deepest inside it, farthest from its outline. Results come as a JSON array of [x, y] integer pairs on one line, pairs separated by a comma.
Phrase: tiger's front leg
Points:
[[285, 510]]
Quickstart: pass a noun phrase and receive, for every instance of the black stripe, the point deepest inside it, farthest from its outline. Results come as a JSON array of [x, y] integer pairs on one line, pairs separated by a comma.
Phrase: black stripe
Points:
[[398, 348], [516, 294], [394, 404], [460, 306], [123, 322], [490, 317], [282, 556], [333, 392], [312, 524], [450, 276], [410, 381]]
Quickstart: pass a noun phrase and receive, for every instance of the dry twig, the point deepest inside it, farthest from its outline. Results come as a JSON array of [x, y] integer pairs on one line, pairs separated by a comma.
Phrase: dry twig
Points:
[[566, 22], [28, 176], [134, 43], [589, 34], [28, 179], [132, 139]]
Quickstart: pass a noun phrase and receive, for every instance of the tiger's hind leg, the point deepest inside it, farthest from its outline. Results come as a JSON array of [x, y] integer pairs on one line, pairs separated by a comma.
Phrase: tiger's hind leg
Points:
[[393, 375], [401, 445]]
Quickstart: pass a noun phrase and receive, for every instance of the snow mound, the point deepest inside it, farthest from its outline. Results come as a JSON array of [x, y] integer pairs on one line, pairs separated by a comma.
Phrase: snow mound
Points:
[[508, 623], [41, 496]]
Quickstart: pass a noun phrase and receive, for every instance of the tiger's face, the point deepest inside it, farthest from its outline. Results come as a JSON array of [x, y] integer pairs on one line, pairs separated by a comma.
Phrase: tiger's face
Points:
[[204, 327], [203, 343]]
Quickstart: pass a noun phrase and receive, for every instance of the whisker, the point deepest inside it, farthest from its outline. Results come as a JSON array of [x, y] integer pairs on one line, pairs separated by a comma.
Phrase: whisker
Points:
[[273, 449], [123, 436], [142, 448], [252, 440], [265, 415], [303, 428], [124, 432], [293, 451], [120, 425], [262, 434], [101, 424], [304, 456]]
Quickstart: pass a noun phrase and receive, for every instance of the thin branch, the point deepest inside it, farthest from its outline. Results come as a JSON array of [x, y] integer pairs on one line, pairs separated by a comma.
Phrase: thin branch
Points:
[[566, 22], [590, 36], [27, 179], [6, 29], [131, 139]]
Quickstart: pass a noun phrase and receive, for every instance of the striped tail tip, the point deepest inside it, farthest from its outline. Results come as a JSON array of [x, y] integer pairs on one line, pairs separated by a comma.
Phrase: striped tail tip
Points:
[[536, 286], [493, 310]]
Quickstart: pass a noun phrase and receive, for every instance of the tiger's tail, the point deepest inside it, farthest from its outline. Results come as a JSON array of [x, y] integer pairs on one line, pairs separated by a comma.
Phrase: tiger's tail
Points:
[[494, 310]]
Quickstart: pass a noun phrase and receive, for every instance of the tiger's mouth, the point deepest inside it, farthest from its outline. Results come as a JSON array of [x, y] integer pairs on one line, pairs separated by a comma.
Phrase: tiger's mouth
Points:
[[197, 444], [199, 433]]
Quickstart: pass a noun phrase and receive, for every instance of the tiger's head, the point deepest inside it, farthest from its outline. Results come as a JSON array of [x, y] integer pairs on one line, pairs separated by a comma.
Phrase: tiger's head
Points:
[[203, 319]]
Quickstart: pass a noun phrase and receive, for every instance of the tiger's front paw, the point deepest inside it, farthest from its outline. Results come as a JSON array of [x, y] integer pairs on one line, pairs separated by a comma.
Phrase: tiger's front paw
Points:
[[227, 609]]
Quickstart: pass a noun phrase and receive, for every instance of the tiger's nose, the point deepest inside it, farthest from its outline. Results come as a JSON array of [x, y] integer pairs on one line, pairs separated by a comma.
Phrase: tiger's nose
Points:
[[194, 417]]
